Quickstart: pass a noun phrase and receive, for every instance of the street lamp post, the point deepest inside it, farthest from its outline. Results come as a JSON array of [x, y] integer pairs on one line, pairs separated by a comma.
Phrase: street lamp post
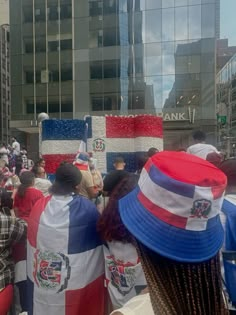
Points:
[[41, 118]]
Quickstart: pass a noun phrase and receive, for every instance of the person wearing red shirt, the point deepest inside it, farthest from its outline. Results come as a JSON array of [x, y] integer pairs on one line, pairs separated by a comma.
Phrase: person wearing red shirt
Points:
[[25, 198]]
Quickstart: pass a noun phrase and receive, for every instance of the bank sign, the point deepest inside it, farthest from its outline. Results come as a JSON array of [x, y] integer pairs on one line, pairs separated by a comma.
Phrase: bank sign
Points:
[[189, 116], [174, 116]]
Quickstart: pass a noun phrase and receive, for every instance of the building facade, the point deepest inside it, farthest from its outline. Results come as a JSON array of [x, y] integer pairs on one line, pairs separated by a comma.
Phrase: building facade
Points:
[[71, 58], [4, 12], [5, 97], [226, 107]]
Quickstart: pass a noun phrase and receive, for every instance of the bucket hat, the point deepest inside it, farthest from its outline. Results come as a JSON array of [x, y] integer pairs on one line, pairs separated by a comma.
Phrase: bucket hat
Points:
[[81, 161], [175, 208]]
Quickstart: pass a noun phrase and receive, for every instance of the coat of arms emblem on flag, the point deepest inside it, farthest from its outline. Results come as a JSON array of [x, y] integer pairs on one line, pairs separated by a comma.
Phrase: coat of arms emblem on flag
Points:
[[201, 208], [123, 276], [51, 270]]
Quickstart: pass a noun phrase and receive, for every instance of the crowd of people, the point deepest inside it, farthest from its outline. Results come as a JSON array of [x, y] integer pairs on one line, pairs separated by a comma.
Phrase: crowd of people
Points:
[[149, 242]]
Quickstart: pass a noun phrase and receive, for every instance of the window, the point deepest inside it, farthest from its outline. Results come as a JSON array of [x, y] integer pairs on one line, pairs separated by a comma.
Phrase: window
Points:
[[110, 69], [65, 12], [29, 46], [53, 76], [96, 70], [53, 45], [29, 77], [181, 23], [66, 44], [28, 14], [40, 44], [53, 13], [95, 38], [109, 6], [153, 34], [39, 14], [95, 8], [66, 74], [97, 102]]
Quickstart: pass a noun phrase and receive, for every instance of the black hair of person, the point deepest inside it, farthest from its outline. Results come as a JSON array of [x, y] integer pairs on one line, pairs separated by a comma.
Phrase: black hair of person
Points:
[[27, 180], [199, 135], [67, 177]]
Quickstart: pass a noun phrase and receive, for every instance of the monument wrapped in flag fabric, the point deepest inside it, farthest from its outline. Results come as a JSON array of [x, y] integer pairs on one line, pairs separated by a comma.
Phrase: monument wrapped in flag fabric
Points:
[[65, 265], [107, 136]]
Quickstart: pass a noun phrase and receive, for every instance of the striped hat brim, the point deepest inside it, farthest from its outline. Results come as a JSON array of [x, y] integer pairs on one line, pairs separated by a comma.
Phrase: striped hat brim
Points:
[[167, 240]]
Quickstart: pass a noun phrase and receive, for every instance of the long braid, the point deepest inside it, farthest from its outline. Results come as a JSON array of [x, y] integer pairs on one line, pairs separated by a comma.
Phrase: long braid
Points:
[[161, 302], [174, 287], [199, 293]]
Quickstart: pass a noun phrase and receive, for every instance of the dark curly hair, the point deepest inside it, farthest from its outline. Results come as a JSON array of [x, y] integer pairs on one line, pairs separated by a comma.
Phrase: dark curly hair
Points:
[[110, 226]]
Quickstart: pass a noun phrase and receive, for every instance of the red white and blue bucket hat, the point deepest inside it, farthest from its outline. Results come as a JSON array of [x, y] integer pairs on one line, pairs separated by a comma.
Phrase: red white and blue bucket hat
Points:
[[175, 208]]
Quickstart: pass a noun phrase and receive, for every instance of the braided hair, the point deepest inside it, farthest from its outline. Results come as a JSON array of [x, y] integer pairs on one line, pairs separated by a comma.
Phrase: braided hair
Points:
[[183, 288]]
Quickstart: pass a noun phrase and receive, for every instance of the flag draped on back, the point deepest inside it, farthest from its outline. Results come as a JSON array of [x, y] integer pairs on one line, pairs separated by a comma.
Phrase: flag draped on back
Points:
[[65, 264]]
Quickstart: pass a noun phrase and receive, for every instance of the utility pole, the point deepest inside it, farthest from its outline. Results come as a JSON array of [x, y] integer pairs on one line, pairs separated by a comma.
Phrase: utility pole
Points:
[[229, 122]]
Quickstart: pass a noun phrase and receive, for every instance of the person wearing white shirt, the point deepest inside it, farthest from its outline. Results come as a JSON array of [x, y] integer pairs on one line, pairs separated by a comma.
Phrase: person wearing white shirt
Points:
[[200, 148], [15, 147], [41, 183], [4, 153]]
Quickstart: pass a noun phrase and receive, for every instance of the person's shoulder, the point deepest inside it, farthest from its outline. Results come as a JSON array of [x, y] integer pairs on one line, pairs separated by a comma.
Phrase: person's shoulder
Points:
[[138, 305], [34, 192], [212, 147], [84, 207]]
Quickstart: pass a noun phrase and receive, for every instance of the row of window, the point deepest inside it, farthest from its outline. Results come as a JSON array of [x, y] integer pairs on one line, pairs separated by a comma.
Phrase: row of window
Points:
[[99, 7], [53, 107], [47, 77], [182, 23], [53, 13], [40, 45]]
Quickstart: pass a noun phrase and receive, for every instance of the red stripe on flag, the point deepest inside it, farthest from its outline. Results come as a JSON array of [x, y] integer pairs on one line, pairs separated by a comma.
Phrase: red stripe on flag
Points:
[[119, 127], [54, 160], [34, 220], [133, 127], [218, 191], [162, 214], [148, 126], [148, 165], [89, 300]]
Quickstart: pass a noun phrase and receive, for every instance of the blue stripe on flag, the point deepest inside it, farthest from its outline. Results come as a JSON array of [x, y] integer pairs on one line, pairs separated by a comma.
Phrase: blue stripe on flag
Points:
[[177, 187], [30, 296], [212, 222], [82, 230], [65, 129]]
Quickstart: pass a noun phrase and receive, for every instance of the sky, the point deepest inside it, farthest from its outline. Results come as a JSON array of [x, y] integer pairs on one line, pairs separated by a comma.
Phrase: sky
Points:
[[228, 21]]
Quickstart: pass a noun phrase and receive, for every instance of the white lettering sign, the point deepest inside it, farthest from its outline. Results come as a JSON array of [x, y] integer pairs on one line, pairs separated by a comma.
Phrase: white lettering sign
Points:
[[174, 117]]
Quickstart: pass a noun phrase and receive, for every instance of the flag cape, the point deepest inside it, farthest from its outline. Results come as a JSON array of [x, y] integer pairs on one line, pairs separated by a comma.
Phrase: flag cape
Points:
[[65, 265], [106, 138]]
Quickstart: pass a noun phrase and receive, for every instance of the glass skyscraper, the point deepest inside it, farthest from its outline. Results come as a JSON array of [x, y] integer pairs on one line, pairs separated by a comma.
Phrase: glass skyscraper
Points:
[[71, 58]]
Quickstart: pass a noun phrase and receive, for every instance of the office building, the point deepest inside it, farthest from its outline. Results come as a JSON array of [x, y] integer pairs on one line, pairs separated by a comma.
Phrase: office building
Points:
[[224, 53], [5, 97], [226, 107], [71, 58]]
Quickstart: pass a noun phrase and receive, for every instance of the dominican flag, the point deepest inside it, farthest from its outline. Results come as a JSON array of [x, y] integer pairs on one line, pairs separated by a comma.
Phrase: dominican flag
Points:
[[104, 136], [65, 265], [127, 136], [61, 140]]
